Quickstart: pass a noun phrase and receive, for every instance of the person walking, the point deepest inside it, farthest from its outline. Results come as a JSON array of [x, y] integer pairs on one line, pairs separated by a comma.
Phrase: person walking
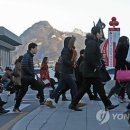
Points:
[[58, 66], [121, 63], [28, 77], [91, 71], [66, 80], [17, 75]]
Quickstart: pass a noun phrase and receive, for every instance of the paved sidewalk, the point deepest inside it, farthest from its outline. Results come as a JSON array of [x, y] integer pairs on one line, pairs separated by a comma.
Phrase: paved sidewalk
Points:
[[61, 118]]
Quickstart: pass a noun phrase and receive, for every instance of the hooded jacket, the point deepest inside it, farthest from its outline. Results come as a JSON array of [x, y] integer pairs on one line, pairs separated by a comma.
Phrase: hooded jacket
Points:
[[92, 57], [66, 54]]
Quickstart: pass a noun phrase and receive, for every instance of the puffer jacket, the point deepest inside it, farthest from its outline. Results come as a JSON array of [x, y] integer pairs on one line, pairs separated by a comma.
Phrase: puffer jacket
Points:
[[91, 64], [27, 68]]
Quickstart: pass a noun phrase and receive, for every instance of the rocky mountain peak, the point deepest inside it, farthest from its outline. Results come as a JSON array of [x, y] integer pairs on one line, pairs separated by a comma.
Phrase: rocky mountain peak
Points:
[[50, 41]]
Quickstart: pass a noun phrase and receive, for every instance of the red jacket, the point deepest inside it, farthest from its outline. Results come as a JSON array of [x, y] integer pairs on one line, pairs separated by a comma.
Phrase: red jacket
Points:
[[44, 73]]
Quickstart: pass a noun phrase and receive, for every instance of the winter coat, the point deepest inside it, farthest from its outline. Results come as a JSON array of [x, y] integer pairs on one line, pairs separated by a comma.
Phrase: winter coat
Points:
[[27, 68], [66, 54], [44, 73], [92, 59], [17, 73]]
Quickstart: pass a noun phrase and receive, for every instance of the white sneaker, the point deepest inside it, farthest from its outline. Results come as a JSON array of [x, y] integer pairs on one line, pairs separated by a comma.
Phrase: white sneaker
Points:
[[50, 103]]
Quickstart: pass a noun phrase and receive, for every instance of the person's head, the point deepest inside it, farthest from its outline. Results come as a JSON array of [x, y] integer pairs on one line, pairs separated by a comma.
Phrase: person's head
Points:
[[97, 32], [123, 40], [45, 60], [69, 42], [8, 69], [82, 52], [32, 47], [19, 59]]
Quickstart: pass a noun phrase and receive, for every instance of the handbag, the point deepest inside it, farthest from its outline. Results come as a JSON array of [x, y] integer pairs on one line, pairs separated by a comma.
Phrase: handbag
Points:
[[104, 75], [128, 55], [123, 75], [40, 81]]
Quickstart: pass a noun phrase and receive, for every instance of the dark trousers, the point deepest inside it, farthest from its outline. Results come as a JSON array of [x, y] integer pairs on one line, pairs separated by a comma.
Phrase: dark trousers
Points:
[[34, 85], [118, 89], [66, 82], [87, 82]]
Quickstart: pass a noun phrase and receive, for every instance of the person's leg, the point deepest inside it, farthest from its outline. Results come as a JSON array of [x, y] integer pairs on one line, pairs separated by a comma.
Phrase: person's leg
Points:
[[35, 84], [64, 98], [101, 91], [128, 93], [115, 89], [71, 84], [61, 84], [95, 94], [22, 92], [56, 94], [79, 95]]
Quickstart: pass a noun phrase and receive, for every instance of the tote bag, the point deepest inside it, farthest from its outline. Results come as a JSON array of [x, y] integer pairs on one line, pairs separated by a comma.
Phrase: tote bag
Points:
[[123, 75]]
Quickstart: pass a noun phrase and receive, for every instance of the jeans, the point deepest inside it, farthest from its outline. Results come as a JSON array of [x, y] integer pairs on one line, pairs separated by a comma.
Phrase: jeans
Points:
[[66, 82]]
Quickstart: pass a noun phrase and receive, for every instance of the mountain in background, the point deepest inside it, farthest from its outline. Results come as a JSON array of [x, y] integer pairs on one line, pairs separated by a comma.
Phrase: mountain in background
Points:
[[50, 41]]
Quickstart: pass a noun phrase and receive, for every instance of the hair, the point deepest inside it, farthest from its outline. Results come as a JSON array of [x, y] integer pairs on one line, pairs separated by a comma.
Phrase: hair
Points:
[[82, 52], [8, 68], [123, 40], [19, 59], [44, 60], [32, 45]]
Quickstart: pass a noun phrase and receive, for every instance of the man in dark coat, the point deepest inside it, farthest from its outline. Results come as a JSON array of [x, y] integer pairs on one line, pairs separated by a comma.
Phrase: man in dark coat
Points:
[[91, 71], [28, 77]]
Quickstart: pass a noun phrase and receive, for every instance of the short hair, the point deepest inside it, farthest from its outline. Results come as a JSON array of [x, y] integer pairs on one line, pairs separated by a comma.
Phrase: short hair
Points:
[[82, 52], [95, 30], [32, 45]]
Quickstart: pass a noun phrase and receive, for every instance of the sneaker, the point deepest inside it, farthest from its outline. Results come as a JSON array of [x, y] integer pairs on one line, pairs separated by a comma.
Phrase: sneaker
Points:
[[3, 111], [49, 103], [17, 110], [121, 99], [111, 107], [75, 108], [80, 104]]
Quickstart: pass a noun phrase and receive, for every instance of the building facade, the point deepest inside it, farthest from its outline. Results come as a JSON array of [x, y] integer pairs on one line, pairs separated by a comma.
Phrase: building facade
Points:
[[8, 42]]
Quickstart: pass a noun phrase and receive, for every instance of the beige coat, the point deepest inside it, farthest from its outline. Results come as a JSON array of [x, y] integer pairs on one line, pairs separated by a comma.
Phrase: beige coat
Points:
[[17, 73]]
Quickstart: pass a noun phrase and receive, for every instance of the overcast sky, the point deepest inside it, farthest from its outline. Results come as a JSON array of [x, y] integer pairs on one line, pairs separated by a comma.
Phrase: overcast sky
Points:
[[64, 15]]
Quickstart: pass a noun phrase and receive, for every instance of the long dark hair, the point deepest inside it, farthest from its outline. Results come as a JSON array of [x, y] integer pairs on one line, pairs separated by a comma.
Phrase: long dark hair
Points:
[[19, 59], [44, 60]]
